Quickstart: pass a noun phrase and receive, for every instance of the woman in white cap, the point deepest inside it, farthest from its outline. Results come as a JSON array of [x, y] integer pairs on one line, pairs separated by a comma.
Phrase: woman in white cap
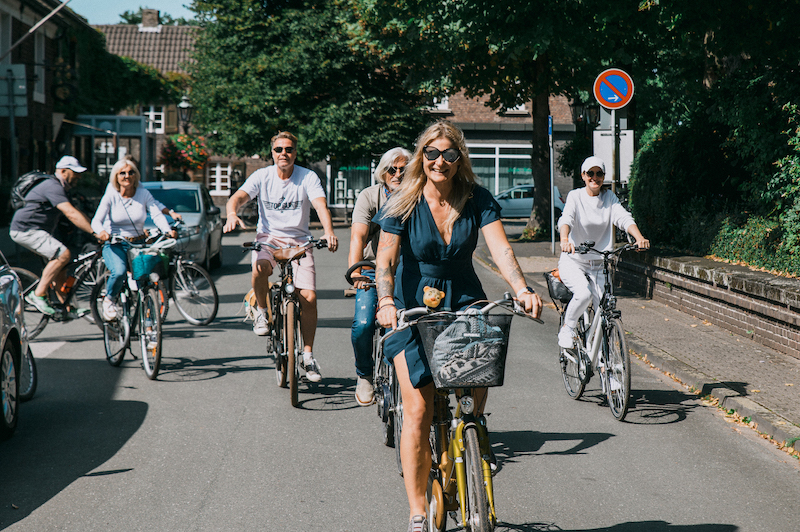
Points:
[[590, 213]]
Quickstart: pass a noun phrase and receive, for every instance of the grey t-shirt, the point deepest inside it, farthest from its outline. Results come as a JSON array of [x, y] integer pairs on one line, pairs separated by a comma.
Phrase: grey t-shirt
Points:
[[40, 210], [368, 203]]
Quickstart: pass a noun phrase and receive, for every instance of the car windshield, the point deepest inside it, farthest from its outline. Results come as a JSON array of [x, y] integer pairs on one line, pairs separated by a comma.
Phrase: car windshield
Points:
[[179, 200]]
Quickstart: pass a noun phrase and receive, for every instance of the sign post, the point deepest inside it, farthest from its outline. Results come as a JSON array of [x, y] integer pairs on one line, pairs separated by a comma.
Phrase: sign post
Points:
[[613, 89], [552, 195]]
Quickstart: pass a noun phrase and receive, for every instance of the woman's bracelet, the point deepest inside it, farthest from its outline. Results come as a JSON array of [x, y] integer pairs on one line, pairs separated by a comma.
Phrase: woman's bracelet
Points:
[[386, 306], [385, 297]]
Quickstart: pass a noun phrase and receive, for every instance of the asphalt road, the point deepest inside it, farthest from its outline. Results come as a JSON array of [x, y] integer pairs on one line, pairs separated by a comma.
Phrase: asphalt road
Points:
[[215, 445]]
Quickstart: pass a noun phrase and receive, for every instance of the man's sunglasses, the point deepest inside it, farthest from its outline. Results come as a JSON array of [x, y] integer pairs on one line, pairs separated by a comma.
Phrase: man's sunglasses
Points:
[[392, 170], [591, 173], [450, 155], [279, 149]]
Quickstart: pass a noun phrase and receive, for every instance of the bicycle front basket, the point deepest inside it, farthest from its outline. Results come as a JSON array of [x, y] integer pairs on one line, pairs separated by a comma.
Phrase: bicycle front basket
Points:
[[466, 351], [557, 289]]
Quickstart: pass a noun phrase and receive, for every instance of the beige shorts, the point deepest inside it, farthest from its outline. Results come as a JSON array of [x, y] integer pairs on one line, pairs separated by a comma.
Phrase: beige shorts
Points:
[[40, 242], [305, 275]]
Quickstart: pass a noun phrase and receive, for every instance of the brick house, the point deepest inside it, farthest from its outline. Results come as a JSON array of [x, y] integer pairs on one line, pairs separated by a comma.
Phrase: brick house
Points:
[[39, 64]]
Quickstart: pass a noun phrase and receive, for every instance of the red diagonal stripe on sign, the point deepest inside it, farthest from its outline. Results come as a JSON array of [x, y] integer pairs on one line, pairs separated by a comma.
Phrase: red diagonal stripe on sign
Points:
[[612, 87]]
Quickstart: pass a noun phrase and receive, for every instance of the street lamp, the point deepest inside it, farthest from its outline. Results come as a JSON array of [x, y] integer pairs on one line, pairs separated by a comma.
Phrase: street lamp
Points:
[[185, 111]]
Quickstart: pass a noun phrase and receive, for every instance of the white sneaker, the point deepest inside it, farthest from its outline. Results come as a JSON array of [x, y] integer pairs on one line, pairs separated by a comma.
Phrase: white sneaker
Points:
[[109, 309], [312, 369], [566, 337], [365, 392], [260, 325]]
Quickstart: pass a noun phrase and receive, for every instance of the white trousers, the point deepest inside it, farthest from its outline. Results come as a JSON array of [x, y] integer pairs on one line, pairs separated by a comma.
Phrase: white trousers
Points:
[[585, 280]]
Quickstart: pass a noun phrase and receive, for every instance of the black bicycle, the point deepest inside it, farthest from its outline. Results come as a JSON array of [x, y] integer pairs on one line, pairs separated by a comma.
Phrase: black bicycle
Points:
[[285, 341]]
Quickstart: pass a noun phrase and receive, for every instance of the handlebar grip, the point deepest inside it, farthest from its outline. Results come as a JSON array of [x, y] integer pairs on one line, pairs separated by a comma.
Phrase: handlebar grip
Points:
[[349, 273]]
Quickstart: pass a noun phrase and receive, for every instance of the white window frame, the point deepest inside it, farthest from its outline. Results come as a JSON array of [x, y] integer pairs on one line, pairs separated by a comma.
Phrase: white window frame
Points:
[[219, 183], [38, 67], [441, 106], [497, 156], [153, 119]]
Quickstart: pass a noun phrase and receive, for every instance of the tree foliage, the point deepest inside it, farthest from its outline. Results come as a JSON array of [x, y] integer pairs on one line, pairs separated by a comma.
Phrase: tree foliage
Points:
[[265, 66]]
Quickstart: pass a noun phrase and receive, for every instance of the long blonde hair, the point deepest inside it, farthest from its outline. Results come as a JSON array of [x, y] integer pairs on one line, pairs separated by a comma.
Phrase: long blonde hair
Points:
[[403, 200]]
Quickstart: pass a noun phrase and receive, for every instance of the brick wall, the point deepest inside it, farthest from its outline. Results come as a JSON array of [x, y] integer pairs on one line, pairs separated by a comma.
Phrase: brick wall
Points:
[[474, 110], [767, 321]]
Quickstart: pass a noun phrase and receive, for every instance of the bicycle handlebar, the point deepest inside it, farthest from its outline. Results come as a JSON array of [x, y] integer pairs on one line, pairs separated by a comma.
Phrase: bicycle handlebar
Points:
[[349, 273], [588, 246], [256, 245]]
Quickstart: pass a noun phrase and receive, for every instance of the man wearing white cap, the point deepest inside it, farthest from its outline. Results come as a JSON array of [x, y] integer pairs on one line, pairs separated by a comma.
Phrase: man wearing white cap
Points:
[[590, 213], [33, 224]]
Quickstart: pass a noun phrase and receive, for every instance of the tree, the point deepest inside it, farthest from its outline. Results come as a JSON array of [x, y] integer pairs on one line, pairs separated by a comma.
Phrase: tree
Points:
[[262, 66]]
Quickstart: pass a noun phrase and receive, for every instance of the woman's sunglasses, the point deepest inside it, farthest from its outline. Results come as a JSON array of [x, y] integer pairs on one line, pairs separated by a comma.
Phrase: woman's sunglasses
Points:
[[392, 170], [592, 173], [450, 155], [279, 149]]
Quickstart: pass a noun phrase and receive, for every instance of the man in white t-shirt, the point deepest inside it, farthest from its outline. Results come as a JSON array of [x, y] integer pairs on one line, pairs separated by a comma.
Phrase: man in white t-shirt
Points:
[[285, 195]]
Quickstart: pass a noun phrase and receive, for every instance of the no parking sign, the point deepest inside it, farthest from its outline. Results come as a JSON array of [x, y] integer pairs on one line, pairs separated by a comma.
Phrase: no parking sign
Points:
[[613, 89]]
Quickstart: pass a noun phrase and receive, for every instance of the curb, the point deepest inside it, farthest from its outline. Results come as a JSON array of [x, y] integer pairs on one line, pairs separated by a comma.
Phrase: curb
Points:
[[767, 422]]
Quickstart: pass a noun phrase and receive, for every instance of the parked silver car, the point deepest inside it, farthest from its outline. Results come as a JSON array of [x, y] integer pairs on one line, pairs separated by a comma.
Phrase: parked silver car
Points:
[[203, 225], [517, 202], [13, 342]]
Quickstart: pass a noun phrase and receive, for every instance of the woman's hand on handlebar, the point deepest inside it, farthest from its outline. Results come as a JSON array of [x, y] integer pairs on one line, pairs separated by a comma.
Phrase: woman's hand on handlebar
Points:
[[387, 316], [102, 236], [567, 246]]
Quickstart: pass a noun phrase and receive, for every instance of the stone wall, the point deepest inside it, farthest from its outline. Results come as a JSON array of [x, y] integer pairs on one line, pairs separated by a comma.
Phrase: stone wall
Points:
[[753, 304]]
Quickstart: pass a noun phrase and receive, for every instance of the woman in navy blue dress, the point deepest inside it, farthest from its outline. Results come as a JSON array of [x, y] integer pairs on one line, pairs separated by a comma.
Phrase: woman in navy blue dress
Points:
[[429, 230]]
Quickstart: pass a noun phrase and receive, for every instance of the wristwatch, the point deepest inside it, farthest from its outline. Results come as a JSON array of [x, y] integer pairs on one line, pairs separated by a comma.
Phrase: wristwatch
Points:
[[526, 290]]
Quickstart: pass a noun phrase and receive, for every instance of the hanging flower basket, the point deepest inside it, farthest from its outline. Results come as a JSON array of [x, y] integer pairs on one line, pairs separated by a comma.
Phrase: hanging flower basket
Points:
[[184, 152]]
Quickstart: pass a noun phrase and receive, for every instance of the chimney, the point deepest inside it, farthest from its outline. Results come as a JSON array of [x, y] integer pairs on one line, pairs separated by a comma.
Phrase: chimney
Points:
[[150, 20]]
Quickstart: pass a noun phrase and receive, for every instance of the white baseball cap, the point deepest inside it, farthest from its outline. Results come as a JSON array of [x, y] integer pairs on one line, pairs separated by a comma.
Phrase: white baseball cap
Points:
[[591, 162], [71, 163]]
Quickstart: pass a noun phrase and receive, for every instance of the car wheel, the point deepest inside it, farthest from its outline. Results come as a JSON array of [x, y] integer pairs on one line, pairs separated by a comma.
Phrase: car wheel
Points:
[[9, 390], [216, 260], [206, 264]]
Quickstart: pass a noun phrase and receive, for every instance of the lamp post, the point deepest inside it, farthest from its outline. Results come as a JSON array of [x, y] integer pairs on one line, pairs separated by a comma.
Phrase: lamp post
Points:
[[185, 111]]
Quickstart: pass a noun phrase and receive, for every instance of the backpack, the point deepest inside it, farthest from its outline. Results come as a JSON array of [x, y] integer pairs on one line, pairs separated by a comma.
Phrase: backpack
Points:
[[24, 185]]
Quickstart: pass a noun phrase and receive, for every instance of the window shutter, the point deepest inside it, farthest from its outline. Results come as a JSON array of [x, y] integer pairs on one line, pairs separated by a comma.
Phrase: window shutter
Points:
[[171, 127]]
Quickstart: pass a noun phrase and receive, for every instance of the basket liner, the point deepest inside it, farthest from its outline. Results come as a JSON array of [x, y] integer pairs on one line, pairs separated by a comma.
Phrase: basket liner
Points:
[[144, 262], [466, 351]]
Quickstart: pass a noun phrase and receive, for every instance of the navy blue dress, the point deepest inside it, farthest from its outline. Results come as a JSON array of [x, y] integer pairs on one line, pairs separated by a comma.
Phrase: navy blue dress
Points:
[[425, 260]]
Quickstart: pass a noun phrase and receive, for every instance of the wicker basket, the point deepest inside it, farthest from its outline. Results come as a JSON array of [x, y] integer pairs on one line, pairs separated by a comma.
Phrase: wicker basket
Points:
[[466, 351]]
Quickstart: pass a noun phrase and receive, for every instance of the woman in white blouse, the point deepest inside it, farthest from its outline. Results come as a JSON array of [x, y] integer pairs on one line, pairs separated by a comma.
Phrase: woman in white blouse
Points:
[[123, 210], [590, 213]]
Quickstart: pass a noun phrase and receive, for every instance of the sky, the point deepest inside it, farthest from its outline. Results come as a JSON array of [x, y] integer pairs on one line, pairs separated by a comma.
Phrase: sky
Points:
[[108, 11]]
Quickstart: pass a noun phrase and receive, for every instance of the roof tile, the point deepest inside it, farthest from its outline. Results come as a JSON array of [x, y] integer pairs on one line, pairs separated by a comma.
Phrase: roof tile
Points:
[[167, 50]]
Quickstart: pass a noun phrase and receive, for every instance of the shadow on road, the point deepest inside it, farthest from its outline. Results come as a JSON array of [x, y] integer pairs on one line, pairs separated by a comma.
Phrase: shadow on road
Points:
[[638, 526], [509, 446], [329, 394], [72, 404]]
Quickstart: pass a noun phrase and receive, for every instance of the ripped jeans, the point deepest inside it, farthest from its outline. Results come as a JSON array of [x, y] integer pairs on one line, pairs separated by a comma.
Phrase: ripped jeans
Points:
[[363, 329]]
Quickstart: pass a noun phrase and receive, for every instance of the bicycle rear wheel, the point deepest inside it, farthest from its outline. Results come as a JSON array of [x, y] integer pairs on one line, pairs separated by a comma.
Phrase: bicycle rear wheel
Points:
[[89, 274], [28, 376], [96, 300], [163, 299], [617, 373], [150, 332], [194, 293], [570, 362], [479, 516], [35, 320]]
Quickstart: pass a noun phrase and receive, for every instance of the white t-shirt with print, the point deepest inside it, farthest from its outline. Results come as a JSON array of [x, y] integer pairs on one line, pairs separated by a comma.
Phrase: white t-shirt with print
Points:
[[284, 206]]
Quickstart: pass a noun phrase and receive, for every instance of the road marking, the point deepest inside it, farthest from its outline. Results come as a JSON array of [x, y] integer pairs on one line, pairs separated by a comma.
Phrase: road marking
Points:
[[42, 349]]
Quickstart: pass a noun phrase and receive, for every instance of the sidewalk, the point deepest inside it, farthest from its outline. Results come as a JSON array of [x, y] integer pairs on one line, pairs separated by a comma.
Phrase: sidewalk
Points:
[[743, 375]]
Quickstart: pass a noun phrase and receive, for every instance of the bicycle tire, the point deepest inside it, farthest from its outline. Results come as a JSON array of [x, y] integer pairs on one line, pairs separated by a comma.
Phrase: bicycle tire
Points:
[[617, 372], [28, 376], [569, 361], [383, 398], [479, 514], [397, 399], [194, 293], [96, 301], [29, 280], [117, 332], [278, 342], [293, 347], [162, 290], [150, 316], [88, 274]]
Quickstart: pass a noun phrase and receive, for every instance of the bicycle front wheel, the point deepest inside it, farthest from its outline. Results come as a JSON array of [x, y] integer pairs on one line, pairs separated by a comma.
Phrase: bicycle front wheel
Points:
[[116, 336], [194, 293], [618, 369], [35, 320], [28, 376], [397, 400], [479, 515], [570, 362], [294, 347], [150, 332]]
